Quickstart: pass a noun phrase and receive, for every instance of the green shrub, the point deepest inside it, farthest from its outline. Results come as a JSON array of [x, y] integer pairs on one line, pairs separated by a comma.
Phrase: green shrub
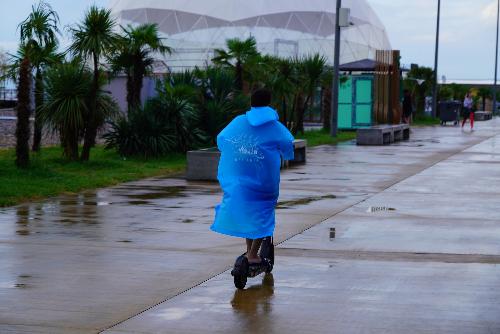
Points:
[[142, 133]]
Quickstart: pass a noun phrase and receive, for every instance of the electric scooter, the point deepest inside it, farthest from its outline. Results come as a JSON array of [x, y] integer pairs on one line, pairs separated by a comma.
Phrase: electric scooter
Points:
[[243, 270]]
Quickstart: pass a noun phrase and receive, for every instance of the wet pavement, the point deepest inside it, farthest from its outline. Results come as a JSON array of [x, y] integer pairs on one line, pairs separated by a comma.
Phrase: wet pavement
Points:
[[417, 249]]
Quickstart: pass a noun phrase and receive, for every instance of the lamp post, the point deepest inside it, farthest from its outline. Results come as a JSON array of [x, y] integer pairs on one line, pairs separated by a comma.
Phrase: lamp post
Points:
[[335, 88], [494, 111], [434, 86]]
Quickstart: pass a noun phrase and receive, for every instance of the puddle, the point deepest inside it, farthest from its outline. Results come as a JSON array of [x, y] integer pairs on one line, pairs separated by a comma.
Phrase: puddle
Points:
[[137, 202], [148, 229], [125, 241], [302, 201], [166, 192], [188, 221]]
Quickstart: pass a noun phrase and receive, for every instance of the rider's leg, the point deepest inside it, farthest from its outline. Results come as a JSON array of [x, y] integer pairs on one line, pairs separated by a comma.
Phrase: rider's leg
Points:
[[252, 255], [249, 245]]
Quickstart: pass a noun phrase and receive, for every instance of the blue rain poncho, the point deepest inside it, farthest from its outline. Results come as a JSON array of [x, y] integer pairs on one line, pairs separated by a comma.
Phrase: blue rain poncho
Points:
[[249, 173]]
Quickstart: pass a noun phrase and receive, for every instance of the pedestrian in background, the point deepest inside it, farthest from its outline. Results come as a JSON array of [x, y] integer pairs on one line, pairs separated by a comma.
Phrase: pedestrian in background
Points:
[[407, 107], [468, 113]]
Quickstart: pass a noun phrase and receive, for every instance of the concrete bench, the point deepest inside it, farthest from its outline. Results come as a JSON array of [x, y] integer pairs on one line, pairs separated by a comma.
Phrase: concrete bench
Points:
[[401, 132], [203, 164], [482, 116], [382, 134], [299, 151]]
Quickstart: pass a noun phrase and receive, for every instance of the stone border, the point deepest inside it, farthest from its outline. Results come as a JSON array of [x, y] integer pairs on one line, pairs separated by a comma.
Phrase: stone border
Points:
[[202, 165]]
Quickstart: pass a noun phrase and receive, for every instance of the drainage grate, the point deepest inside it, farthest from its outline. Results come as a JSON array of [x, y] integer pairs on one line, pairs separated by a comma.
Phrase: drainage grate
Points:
[[372, 209]]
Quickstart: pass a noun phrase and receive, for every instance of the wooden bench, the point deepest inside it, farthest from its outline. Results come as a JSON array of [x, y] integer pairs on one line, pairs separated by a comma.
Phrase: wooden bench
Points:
[[382, 134], [203, 164]]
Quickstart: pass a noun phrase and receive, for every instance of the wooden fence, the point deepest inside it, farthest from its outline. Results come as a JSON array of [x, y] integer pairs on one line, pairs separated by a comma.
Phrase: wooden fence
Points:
[[386, 90]]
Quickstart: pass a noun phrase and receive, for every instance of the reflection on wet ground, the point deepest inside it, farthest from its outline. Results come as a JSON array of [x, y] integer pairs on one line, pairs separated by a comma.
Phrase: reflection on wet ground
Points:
[[253, 305]]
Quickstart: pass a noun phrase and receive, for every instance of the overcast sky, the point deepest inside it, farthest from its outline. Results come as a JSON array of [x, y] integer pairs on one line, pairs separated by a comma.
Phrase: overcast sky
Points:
[[467, 32]]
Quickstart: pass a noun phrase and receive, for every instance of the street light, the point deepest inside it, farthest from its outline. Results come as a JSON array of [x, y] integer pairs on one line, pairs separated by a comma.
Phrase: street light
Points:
[[434, 86], [494, 111], [341, 20]]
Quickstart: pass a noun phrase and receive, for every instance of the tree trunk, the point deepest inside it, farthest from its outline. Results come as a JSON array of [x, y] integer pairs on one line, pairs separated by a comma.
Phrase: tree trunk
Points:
[[484, 103], [134, 85], [302, 110], [70, 145], [326, 107], [130, 90], [138, 80], [284, 113], [239, 76], [39, 91], [91, 126], [299, 114], [23, 115]]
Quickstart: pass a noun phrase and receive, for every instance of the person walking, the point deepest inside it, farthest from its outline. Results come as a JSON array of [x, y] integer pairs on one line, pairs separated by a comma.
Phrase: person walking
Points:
[[407, 107], [468, 113], [252, 147]]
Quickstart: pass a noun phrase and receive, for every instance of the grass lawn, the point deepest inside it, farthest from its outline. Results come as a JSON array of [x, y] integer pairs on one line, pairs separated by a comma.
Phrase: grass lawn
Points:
[[50, 175], [424, 120], [322, 137]]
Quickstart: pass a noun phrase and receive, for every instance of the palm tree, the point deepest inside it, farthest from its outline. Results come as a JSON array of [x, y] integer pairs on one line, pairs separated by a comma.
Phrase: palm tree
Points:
[[219, 103], [423, 77], [239, 52], [175, 107], [92, 39], [66, 108], [311, 70], [4, 65], [39, 38], [23, 114], [484, 93], [278, 76], [134, 56]]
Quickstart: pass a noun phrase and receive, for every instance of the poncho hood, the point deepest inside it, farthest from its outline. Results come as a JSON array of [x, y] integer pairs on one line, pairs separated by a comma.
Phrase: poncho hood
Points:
[[260, 115]]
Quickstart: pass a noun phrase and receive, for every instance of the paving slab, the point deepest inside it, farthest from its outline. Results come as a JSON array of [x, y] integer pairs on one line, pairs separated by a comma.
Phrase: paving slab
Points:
[[425, 262], [329, 295], [86, 262]]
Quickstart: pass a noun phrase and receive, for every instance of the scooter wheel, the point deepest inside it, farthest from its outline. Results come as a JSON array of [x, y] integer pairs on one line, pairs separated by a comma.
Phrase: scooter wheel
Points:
[[240, 272], [240, 281]]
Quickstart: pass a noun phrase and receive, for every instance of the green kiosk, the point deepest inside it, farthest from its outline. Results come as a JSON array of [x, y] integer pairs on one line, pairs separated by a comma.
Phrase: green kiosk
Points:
[[356, 95], [355, 102]]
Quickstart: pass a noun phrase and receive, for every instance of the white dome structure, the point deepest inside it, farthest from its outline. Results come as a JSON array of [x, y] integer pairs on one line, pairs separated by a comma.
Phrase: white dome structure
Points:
[[284, 28]]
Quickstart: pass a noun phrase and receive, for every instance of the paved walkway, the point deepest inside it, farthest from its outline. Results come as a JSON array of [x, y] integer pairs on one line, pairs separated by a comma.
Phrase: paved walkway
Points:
[[417, 249]]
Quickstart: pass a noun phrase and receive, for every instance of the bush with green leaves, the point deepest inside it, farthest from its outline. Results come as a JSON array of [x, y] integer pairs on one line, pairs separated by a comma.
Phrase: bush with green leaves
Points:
[[67, 105], [218, 103], [143, 132]]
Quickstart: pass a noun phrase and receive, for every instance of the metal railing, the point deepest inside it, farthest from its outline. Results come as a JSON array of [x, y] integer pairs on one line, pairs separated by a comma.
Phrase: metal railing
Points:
[[8, 94]]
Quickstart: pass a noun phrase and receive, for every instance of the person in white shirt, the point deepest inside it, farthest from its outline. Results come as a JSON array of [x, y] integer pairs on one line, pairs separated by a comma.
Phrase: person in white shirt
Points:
[[467, 111]]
